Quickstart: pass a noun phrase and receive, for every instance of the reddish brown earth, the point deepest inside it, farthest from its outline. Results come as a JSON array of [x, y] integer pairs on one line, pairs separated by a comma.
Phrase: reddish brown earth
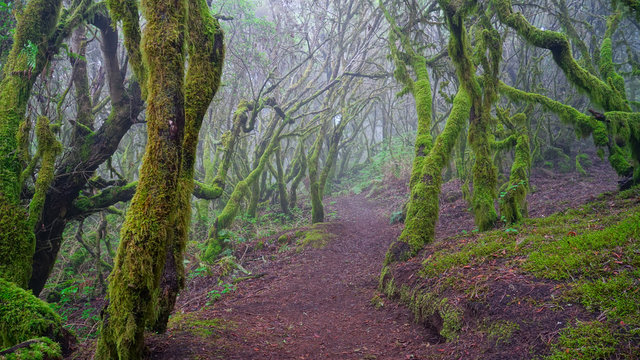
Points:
[[316, 304]]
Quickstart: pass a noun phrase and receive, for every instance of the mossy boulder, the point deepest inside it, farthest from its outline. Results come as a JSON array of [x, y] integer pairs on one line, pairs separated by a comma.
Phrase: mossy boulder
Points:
[[24, 317]]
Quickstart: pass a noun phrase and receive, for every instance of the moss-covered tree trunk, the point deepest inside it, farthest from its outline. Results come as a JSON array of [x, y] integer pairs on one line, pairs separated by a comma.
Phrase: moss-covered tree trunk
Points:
[[142, 252], [282, 186], [23, 316], [403, 57], [315, 191], [302, 170], [513, 201], [206, 52], [423, 206], [17, 239]]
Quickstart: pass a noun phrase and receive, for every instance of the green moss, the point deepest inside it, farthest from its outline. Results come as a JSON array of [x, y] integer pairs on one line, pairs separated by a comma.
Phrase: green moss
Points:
[[420, 88], [513, 200], [316, 237], [284, 238], [584, 254], [598, 91], [423, 207], [206, 53], [585, 340], [500, 332], [377, 302], [584, 125], [194, 324], [617, 296], [383, 278], [484, 172], [127, 12], [48, 150], [232, 207], [38, 349], [142, 253], [437, 312], [592, 253], [629, 193], [584, 160], [579, 168], [17, 242], [317, 208], [301, 159], [24, 316]]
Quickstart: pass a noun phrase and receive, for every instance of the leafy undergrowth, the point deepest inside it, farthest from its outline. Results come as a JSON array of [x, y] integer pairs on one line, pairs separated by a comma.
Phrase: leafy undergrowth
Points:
[[566, 286]]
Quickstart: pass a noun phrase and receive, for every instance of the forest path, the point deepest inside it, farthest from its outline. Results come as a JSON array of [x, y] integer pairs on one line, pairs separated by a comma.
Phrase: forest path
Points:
[[315, 304]]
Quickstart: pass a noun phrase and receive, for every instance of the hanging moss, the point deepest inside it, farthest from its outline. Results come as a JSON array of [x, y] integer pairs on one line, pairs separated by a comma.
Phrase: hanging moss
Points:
[[24, 317]]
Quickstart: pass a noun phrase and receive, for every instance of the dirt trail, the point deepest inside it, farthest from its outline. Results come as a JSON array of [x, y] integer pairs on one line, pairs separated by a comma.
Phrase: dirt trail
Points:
[[316, 304], [312, 305]]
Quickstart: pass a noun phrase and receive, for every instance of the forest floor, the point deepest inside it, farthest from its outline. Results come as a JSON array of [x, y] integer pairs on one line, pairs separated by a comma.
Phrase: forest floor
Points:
[[311, 304], [315, 302]]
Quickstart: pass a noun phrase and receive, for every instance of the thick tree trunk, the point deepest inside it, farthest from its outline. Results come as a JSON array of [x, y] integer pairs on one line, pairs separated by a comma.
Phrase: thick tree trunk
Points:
[[16, 236], [206, 53], [423, 207], [144, 237]]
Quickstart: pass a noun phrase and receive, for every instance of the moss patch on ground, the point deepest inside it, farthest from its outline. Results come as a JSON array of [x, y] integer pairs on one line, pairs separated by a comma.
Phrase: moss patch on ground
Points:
[[194, 324], [316, 237], [36, 349], [574, 275]]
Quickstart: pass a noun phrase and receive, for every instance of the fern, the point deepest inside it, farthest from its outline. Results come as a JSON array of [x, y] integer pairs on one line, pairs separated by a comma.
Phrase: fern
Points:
[[31, 51]]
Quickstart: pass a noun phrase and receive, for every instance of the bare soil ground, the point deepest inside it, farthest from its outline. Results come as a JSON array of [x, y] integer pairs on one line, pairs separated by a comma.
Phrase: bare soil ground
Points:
[[316, 303]]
